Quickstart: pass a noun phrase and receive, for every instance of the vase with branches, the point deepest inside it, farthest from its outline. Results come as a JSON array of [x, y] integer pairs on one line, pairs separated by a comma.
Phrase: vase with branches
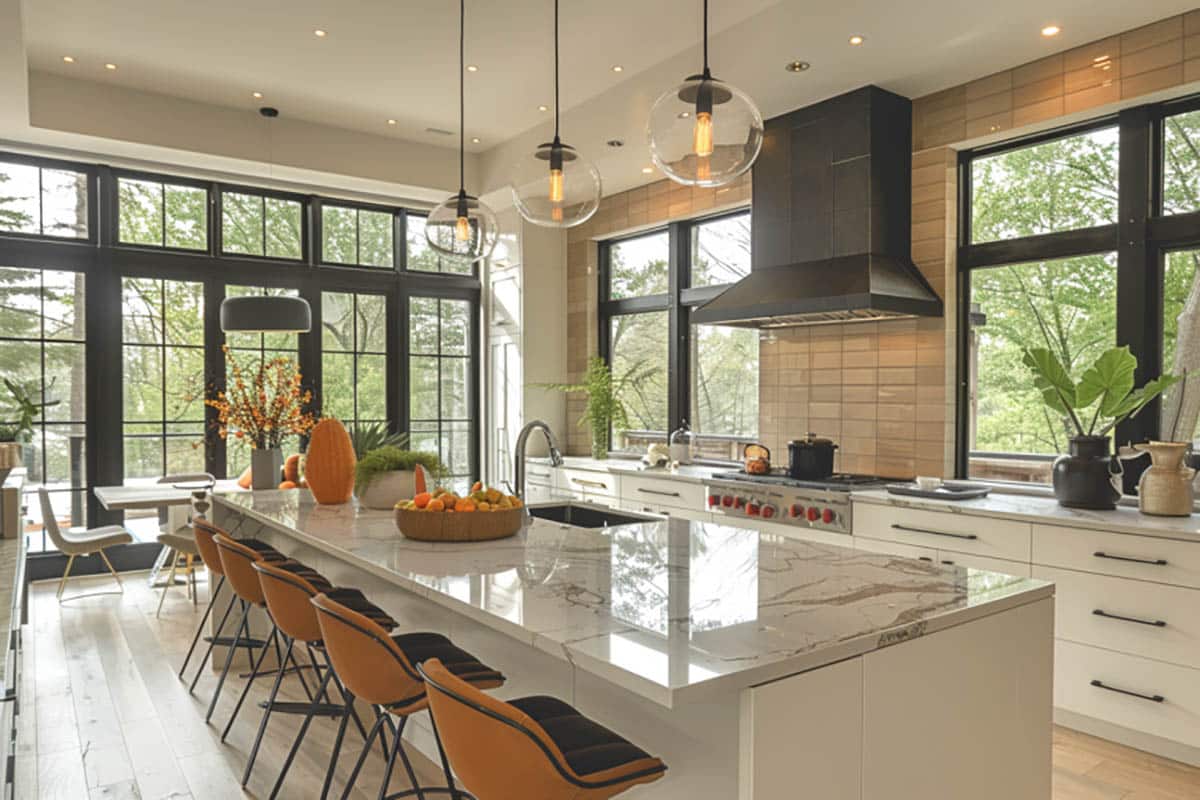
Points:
[[605, 411]]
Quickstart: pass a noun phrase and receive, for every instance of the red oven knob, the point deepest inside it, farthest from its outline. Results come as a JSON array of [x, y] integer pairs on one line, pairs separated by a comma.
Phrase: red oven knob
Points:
[[739, 502], [727, 501], [827, 516], [768, 512], [714, 500], [752, 509], [813, 513], [797, 511]]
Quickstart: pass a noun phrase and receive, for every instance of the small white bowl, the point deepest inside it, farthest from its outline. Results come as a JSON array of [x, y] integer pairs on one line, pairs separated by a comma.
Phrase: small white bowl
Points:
[[928, 484]]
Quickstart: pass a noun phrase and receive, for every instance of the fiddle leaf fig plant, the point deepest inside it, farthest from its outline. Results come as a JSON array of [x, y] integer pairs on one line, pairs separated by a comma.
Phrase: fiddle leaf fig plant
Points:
[[27, 410], [605, 408], [1107, 385]]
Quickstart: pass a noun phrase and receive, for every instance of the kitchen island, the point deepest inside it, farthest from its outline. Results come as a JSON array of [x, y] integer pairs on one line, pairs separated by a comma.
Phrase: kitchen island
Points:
[[756, 666]]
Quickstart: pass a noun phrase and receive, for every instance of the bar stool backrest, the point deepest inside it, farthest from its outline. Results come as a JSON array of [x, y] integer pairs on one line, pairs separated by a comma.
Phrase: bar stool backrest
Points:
[[205, 534], [289, 599], [238, 562], [368, 662]]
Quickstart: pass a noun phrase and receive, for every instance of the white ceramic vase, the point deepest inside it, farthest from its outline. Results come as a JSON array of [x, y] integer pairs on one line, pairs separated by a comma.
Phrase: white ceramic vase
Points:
[[388, 488]]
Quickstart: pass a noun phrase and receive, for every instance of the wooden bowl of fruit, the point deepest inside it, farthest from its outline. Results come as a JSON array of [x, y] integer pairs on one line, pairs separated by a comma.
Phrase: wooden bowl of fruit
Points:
[[443, 516]]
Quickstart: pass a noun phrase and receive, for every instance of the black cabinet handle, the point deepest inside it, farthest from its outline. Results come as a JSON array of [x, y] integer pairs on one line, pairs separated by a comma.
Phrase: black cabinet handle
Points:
[[970, 536], [1154, 562], [1154, 698], [1156, 623], [655, 491]]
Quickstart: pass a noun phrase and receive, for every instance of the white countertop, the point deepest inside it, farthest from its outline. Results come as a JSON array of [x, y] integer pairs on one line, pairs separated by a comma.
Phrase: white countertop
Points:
[[672, 610], [694, 473], [1047, 511]]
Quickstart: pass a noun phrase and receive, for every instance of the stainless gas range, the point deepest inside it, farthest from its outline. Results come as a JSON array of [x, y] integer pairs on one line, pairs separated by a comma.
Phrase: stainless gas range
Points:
[[777, 497]]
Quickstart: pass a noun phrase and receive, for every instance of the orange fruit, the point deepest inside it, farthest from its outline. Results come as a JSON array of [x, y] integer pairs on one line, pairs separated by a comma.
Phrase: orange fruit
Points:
[[475, 487], [465, 505], [435, 505], [422, 500]]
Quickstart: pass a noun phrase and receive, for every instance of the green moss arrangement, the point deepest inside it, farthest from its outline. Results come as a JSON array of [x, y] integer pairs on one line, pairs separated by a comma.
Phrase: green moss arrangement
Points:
[[393, 459]]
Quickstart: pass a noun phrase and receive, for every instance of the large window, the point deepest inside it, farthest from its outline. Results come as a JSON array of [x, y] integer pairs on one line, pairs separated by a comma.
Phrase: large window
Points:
[[354, 357], [41, 201], [261, 225], [708, 378], [357, 236], [42, 351], [440, 383], [162, 214], [1047, 262]]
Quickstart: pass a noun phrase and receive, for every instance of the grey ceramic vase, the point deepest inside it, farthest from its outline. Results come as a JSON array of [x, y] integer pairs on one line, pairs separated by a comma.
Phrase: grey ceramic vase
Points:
[[266, 465], [1089, 476]]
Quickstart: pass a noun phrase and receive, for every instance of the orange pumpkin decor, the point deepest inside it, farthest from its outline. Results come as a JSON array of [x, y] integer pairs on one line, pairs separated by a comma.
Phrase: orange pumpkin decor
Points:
[[291, 468], [288, 485], [329, 465], [244, 479]]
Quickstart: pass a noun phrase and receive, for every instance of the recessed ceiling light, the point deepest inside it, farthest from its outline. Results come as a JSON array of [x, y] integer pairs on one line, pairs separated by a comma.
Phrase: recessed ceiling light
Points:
[[110, 66], [68, 59], [797, 66], [320, 33], [1099, 59], [1051, 30], [475, 140], [472, 68], [684, 114], [391, 122], [647, 170], [856, 39], [615, 142], [257, 95], [618, 68], [543, 108]]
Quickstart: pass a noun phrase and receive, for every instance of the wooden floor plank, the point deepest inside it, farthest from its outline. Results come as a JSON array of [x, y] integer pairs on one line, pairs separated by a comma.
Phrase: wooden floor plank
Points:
[[104, 715]]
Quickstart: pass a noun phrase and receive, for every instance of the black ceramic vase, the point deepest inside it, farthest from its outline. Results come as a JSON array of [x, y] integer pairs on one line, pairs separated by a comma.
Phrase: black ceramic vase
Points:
[[1089, 476]]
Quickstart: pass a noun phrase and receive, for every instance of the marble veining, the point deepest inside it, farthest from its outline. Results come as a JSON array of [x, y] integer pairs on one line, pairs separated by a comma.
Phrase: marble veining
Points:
[[1047, 511], [671, 609]]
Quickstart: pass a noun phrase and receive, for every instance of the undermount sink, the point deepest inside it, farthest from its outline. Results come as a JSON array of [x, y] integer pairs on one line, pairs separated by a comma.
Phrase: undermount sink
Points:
[[584, 515]]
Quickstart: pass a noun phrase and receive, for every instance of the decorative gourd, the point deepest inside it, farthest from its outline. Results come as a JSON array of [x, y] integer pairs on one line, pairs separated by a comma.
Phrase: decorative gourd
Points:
[[329, 466], [245, 479], [291, 468], [287, 485]]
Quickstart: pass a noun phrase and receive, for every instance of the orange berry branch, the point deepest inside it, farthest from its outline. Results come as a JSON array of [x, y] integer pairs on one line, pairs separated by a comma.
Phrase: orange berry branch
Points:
[[262, 405]]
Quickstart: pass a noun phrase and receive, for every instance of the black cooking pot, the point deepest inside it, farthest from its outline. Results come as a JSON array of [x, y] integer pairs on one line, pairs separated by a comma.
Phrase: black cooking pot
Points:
[[811, 459]]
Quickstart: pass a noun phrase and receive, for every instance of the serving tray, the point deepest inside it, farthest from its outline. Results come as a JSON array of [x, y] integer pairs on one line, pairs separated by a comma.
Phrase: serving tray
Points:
[[950, 490]]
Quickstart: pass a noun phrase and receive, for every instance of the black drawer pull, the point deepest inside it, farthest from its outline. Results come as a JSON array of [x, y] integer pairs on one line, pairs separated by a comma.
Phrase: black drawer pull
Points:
[[656, 491], [1154, 562], [970, 536], [1157, 623], [1156, 698]]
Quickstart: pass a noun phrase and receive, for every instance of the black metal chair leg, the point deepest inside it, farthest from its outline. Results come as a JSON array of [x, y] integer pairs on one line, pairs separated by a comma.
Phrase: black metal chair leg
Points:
[[361, 758], [337, 744], [408, 767], [287, 763], [200, 628], [212, 705], [262, 726], [391, 760], [254, 673], [349, 698], [211, 644], [445, 762]]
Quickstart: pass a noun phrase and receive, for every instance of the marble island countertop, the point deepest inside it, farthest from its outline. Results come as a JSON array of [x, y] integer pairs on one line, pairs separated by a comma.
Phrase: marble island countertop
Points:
[[1046, 511], [673, 610]]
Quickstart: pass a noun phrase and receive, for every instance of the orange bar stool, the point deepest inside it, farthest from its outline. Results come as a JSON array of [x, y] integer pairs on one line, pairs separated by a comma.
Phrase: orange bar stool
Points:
[[530, 747], [381, 669], [237, 559], [204, 532], [289, 587]]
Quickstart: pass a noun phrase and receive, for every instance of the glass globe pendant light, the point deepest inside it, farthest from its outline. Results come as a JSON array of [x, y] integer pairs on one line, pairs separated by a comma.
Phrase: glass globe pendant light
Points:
[[556, 186], [704, 132], [462, 227]]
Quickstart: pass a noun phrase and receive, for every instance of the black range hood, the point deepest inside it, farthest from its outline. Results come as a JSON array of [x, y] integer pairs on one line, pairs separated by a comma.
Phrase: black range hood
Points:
[[830, 220]]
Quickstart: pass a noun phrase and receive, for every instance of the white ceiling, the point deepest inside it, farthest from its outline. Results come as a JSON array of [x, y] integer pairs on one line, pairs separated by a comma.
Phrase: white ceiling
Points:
[[397, 58]]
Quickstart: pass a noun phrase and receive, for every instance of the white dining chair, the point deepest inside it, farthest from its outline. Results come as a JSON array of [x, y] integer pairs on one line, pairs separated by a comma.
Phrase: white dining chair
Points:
[[75, 542], [180, 543]]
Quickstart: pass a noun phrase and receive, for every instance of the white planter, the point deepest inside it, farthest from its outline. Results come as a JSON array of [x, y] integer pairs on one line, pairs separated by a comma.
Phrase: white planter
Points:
[[388, 488]]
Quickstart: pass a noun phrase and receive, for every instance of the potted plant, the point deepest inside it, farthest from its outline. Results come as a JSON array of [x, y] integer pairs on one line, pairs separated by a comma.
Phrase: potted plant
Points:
[[14, 435], [368, 436], [1089, 475], [264, 406], [605, 409], [386, 475]]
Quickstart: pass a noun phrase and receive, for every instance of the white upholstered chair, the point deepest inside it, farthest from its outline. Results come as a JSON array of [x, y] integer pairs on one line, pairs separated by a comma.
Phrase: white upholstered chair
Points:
[[75, 542]]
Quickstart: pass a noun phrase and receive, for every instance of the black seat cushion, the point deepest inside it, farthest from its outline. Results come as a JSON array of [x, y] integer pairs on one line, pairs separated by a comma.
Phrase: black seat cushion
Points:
[[355, 600], [268, 552], [318, 581], [588, 746], [420, 647]]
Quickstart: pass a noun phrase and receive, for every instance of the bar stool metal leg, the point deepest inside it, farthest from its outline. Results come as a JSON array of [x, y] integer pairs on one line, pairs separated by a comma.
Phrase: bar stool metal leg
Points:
[[255, 672], [242, 625], [200, 629]]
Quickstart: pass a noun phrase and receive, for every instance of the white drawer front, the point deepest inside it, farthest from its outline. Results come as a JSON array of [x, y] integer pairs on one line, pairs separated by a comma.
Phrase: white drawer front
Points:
[[539, 474], [1177, 717], [894, 549], [663, 492], [983, 536], [589, 484], [972, 561], [1130, 613], [1121, 554]]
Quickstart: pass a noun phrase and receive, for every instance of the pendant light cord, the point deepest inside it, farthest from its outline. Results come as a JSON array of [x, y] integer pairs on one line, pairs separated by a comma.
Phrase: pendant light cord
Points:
[[556, 70], [462, 113], [705, 37]]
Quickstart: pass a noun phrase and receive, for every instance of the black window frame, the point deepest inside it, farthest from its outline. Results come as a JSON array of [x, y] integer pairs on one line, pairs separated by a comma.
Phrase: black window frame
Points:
[[105, 261], [218, 204], [88, 170], [399, 234], [1141, 237], [212, 224], [678, 301]]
